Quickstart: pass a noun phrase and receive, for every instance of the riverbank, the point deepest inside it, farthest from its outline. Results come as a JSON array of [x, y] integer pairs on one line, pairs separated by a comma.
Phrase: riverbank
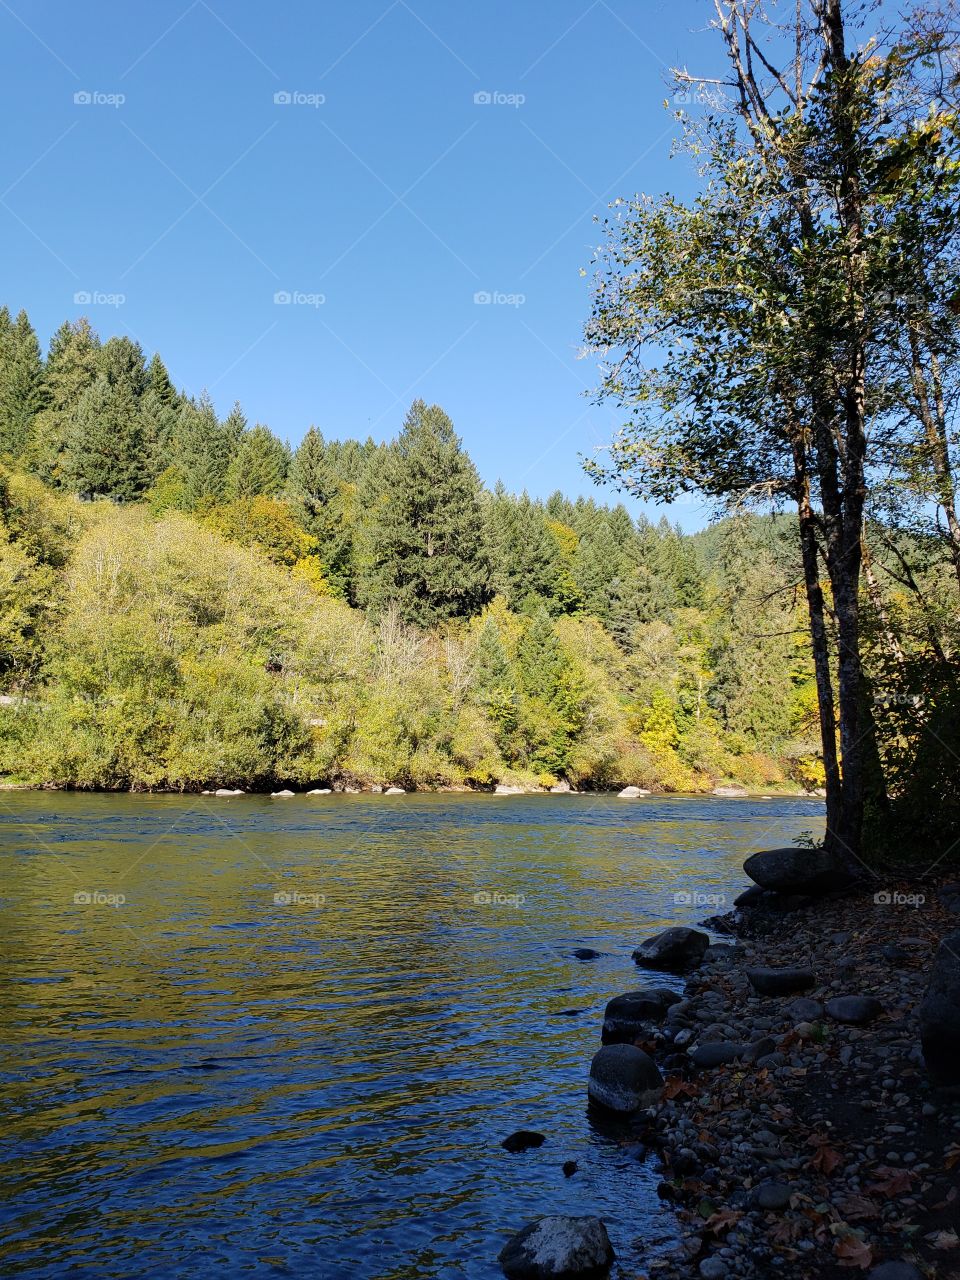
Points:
[[824, 1148]]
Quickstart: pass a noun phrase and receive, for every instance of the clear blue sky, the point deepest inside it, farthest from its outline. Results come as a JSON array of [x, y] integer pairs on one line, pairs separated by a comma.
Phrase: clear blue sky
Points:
[[398, 198]]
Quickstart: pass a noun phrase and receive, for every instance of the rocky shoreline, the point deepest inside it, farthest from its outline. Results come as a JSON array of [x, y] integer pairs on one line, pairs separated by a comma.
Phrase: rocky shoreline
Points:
[[799, 1127]]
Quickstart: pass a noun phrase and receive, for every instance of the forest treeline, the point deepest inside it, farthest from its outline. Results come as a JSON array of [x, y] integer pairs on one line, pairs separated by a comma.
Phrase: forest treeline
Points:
[[188, 602]]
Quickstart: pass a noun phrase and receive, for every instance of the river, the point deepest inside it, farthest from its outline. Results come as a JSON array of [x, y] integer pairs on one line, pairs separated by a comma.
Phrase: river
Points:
[[278, 1037]]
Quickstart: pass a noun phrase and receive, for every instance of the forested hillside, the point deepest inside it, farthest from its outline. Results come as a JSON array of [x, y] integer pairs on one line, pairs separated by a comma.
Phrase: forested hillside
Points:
[[186, 602]]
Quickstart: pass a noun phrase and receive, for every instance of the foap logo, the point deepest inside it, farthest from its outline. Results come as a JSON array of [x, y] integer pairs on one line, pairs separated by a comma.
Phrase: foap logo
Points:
[[96, 898], [696, 898], [484, 898], [294, 898], [97, 298], [697, 98], [885, 699], [892, 898], [97, 98], [495, 98], [495, 298], [295, 298], [297, 98]]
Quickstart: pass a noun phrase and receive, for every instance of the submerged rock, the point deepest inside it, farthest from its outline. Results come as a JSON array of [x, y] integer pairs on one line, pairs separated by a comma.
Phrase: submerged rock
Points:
[[586, 953], [623, 1079], [675, 950], [320, 791], [797, 871], [940, 1015], [558, 1246], [523, 1140], [281, 794]]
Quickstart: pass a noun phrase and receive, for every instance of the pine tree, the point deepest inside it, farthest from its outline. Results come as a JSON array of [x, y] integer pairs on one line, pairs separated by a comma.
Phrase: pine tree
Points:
[[201, 453], [526, 559], [71, 369], [323, 503], [159, 383], [426, 538], [259, 466], [121, 359], [105, 454], [21, 382]]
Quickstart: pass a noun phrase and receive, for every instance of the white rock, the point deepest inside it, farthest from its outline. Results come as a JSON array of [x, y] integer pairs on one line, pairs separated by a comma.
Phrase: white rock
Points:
[[284, 794], [320, 791], [503, 790], [729, 791], [558, 1246], [395, 791], [631, 793]]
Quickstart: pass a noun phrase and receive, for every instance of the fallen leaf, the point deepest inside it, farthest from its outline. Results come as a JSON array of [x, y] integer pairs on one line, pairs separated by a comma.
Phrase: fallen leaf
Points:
[[853, 1252]]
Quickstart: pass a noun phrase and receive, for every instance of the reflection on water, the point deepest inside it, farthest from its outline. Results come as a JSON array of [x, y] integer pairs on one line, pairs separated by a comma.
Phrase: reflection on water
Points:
[[286, 1037]]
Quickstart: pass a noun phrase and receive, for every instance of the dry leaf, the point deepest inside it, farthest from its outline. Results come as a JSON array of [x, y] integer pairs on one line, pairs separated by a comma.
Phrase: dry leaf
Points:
[[851, 1251]]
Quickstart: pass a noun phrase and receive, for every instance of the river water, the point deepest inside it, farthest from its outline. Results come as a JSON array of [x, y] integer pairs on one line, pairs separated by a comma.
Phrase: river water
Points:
[[285, 1037]]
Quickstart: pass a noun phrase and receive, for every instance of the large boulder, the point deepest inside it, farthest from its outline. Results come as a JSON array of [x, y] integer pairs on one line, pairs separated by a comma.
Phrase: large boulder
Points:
[[797, 871], [558, 1246], [675, 950], [631, 793], [940, 1015], [625, 1016], [623, 1079]]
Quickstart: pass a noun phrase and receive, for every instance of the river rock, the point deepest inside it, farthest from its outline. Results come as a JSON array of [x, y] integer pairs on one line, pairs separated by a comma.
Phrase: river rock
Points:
[[561, 788], [226, 791], [523, 1140], [625, 1015], [281, 794], [716, 1054], [586, 953], [797, 871], [631, 793], [940, 1015], [856, 1010], [623, 1079], [722, 953], [772, 1196], [395, 791], [675, 950], [805, 1010], [558, 1246], [895, 1271], [502, 789], [730, 792], [780, 982], [320, 791]]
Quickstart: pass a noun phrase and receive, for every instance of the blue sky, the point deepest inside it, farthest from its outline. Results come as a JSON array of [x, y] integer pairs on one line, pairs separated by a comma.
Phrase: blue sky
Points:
[[383, 197]]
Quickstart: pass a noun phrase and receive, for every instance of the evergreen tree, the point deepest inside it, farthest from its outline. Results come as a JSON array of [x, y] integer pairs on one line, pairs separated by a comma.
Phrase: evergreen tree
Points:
[[21, 382], [121, 360], [323, 503], [105, 446], [259, 466], [158, 381], [201, 455], [526, 558], [426, 538], [71, 369]]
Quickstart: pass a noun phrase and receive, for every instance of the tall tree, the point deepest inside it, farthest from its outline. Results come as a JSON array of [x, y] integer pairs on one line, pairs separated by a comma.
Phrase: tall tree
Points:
[[427, 545], [259, 466], [21, 382], [106, 456], [762, 295]]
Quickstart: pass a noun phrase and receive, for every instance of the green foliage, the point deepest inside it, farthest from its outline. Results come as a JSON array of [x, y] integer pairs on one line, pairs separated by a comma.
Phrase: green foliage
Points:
[[427, 552]]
